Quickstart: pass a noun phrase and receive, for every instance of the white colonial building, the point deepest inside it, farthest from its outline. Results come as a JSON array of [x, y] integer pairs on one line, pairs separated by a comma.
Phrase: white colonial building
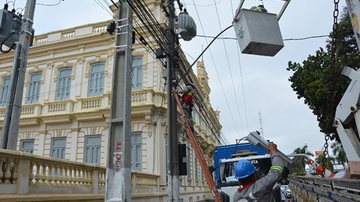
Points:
[[66, 106]]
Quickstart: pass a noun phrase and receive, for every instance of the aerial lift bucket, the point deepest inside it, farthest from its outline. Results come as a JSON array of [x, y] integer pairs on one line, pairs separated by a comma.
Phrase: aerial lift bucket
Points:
[[258, 33]]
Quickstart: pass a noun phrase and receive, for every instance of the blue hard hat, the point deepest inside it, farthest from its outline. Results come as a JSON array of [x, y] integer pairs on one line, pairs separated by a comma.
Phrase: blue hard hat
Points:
[[244, 169]]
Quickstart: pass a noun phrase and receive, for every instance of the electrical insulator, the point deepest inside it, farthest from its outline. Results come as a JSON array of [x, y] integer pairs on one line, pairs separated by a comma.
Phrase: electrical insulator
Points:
[[186, 26]]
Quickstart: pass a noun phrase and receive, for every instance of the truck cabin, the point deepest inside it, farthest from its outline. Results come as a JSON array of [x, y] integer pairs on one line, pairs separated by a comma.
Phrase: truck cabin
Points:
[[262, 164]]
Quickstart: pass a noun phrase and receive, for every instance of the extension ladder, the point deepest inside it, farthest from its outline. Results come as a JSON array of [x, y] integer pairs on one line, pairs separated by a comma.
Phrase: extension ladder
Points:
[[198, 152]]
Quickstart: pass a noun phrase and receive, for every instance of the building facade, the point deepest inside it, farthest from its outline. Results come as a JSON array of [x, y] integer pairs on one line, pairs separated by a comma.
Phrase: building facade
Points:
[[66, 105]]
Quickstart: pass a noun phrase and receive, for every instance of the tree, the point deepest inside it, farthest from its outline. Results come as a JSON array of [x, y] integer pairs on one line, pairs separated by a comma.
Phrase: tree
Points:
[[339, 152], [298, 165], [319, 81], [328, 164]]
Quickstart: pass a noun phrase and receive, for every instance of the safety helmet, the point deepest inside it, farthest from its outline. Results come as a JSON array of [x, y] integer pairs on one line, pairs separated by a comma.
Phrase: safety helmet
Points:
[[244, 169], [190, 86]]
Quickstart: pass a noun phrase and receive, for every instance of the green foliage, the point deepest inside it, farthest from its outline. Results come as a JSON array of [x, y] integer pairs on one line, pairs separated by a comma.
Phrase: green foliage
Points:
[[328, 164], [339, 152], [298, 166], [319, 81]]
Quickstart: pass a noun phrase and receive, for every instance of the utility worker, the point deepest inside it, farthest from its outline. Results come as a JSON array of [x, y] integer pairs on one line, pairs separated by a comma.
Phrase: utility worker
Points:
[[187, 101], [258, 190], [259, 8]]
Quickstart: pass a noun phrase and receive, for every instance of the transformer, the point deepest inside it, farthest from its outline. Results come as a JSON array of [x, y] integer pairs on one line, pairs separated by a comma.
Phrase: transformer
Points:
[[10, 25]]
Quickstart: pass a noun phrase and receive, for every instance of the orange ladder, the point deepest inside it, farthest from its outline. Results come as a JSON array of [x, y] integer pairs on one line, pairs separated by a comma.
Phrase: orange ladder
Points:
[[198, 152]]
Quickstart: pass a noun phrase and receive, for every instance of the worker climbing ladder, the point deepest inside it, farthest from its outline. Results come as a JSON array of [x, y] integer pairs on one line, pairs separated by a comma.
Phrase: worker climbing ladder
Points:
[[198, 152]]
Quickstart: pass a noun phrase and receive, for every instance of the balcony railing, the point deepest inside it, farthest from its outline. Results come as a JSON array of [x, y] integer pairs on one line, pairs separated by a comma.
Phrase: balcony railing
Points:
[[23, 173], [92, 103], [63, 106], [27, 174], [138, 98], [67, 34], [31, 110]]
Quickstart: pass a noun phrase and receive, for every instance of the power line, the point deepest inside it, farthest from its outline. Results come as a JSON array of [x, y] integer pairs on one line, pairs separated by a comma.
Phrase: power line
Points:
[[114, 4], [228, 65], [203, 5], [287, 39], [98, 2], [241, 76], [214, 64]]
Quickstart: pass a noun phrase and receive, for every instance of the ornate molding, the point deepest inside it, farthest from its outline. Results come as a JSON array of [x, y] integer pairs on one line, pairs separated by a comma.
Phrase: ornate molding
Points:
[[64, 65], [98, 59], [75, 130], [32, 70]]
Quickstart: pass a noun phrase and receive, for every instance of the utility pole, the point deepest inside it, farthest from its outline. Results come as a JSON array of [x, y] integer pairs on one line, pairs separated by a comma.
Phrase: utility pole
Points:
[[118, 170], [173, 178], [13, 111]]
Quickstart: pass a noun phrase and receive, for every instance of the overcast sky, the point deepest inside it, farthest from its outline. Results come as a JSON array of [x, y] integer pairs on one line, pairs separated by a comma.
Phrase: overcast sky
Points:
[[286, 120]]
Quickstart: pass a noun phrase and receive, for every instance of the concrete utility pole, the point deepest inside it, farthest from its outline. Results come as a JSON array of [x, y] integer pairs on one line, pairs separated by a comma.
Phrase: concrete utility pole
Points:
[[13, 111], [173, 178], [118, 171]]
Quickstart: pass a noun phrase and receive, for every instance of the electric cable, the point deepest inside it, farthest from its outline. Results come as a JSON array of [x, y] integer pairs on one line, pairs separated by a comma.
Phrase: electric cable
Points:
[[286, 39], [204, 114], [229, 66], [241, 76], [203, 5], [216, 71], [114, 4], [10, 48], [189, 68], [153, 26], [98, 2]]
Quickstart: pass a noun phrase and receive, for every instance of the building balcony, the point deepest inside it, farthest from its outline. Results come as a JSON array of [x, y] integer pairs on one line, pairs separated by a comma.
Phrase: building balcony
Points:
[[37, 178], [57, 112], [85, 109], [73, 33]]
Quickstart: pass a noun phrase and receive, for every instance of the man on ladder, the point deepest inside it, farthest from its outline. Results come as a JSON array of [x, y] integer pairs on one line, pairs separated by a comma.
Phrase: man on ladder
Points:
[[187, 101]]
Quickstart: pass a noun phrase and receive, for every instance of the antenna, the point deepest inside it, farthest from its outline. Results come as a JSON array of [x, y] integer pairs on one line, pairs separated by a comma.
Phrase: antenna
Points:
[[261, 126]]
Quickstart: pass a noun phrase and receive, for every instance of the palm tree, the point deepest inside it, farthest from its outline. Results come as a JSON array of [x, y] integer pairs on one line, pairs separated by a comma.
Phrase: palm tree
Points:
[[299, 162], [339, 152], [328, 163]]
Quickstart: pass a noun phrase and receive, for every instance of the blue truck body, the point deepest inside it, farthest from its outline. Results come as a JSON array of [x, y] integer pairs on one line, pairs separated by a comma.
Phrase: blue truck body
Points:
[[226, 152]]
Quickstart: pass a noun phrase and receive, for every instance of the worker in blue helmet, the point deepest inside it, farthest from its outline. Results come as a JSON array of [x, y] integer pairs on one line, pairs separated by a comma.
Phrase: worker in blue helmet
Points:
[[260, 190]]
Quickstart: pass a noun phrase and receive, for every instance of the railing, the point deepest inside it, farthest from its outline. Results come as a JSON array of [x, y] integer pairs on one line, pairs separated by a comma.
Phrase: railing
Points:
[[144, 182], [99, 29], [31, 110], [26, 110], [68, 35], [27, 174], [71, 33], [91, 102], [315, 188], [23, 173], [2, 112], [58, 107], [139, 97]]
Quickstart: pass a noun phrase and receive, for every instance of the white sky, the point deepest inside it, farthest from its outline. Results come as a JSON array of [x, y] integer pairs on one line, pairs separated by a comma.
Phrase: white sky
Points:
[[286, 120]]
